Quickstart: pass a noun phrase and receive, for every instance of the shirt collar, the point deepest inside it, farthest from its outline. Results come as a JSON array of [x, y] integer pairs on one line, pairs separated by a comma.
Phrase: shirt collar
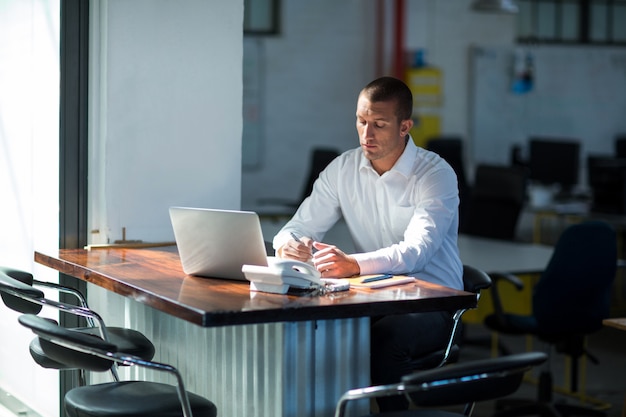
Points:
[[404, 164]]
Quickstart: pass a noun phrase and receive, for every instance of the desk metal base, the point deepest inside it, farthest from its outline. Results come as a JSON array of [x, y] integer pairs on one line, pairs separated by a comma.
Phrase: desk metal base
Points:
[[290, 369]]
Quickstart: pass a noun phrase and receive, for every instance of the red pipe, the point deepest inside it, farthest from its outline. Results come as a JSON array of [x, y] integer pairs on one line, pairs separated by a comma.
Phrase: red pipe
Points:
[[380, 37], [399, 40]]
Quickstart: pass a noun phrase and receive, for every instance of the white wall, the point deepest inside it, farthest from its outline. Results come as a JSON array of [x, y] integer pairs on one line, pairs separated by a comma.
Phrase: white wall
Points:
[[578, 93], [446, 29], [29, 142], [165, 121], [314, 70], [165, 129]]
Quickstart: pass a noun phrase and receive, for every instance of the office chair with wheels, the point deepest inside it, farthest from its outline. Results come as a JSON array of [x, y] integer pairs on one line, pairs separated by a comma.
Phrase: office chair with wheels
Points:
[[474, 280], [496, 202], [119, 398], [569, 302], [20, 293], [459, 384], [320, 158]]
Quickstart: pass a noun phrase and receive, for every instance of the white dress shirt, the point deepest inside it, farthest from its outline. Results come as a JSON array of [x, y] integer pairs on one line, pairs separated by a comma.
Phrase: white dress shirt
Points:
[[402, 222]]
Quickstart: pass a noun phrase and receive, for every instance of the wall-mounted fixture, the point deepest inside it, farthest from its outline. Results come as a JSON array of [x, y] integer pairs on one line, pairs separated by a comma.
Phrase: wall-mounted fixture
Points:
[[495, 6]]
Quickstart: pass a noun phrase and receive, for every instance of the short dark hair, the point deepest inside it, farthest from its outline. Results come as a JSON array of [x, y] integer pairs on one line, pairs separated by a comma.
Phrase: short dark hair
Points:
[[390, 88]]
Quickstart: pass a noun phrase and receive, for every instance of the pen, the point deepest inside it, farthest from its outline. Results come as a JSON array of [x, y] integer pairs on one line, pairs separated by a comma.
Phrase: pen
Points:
[[376, 278], [296, 238]]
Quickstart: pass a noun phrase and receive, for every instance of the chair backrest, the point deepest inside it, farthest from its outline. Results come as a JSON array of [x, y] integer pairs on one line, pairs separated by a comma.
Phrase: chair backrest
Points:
[[573, 293], [69, 346], [19, 294], [16, 289], [320, 158], [620, 146], [450, 148], [475, 280], [496, 201], [471, 381]]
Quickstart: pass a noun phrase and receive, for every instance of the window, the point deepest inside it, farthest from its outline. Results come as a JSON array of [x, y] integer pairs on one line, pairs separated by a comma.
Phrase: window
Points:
[[572, 21]]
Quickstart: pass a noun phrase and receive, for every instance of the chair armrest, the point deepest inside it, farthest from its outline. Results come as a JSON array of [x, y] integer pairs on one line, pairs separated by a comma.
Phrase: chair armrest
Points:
[[367, 392], [454, 384], [62, 289]]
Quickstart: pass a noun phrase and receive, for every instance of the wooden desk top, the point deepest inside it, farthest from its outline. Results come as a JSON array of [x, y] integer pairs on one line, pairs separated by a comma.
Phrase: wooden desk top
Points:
[[154, 277]]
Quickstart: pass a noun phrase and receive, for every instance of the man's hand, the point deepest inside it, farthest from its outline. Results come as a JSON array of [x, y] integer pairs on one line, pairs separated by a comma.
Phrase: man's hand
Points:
[[300, 251], [334, 263]]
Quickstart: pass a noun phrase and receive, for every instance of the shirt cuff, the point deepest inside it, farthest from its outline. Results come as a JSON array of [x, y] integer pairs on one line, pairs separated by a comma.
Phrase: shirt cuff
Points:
[[279, 241], [367, 265]]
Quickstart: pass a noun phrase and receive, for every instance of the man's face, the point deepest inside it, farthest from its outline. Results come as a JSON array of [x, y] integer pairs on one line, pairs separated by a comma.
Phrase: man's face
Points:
[[381, 135]]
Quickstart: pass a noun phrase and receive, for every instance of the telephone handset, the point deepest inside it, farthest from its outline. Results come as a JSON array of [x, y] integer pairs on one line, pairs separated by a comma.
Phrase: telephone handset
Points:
[[281, 274], [297, 270]]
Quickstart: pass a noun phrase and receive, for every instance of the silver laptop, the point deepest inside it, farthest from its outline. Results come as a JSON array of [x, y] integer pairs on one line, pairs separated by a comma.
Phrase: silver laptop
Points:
[[217, 243]]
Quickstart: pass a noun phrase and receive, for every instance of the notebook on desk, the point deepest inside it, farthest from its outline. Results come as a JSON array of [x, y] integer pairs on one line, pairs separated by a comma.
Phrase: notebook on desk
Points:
[[379, 281], [216, 243]]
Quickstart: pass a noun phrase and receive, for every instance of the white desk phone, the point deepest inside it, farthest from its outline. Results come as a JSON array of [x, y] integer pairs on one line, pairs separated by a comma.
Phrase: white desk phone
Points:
[[282, 274]]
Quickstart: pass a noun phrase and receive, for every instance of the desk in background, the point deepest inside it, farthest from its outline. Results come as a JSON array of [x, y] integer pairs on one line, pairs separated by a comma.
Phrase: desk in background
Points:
[[493, 255], [251, 353], [565, 214], [527, 260]]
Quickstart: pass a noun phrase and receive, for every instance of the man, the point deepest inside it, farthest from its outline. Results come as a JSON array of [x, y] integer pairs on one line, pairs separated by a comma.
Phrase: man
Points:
[[400, 203]]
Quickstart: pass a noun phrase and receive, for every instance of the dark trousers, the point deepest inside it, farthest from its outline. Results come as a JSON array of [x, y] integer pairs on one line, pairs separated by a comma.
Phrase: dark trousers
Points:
[[397, 340]]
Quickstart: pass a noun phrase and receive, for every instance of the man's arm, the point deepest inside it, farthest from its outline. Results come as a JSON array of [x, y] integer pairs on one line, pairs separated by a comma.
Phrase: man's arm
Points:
[[332, 262], [315, 216]]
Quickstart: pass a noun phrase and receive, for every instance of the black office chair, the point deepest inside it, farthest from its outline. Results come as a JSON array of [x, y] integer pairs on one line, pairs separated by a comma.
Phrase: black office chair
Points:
[[474, 280], [450, 148], [620, 146], [119, 398], [458, 384], [496, 201], [569, 302], [320, 158], [19, 293]]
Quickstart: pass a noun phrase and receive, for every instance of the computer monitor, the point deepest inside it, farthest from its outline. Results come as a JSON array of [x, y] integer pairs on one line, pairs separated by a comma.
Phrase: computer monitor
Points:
[[554, 161], [607, 180]]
